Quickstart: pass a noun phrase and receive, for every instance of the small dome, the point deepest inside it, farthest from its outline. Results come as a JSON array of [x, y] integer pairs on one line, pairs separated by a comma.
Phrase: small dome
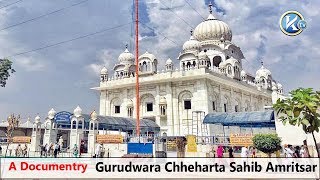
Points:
[[149, 56], [129, 103], [126, 57], [37, 119], [243, 73], [191, 45], [274, 87], [203, 55], [169, 61], [279, 86], [212, 29], [94, 115], [163, 101], [77, 111], [104, 70], [51, 113], [263, 72]]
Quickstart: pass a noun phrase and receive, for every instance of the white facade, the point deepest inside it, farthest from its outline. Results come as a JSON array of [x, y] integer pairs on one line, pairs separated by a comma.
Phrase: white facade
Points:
[[210, 78]]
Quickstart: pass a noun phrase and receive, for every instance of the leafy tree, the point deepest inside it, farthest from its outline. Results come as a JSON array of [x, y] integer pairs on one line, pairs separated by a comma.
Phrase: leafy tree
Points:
[[267, 143], [13, 123], [301, 109], [5, 70]]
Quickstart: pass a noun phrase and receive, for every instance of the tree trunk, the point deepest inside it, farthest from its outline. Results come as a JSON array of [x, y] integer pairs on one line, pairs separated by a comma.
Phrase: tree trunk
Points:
[[315, 143]]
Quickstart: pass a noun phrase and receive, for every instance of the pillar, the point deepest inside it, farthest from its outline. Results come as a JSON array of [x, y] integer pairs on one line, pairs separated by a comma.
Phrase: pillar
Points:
[[36, 135], [50, 133], [93, 131], [77, 128]]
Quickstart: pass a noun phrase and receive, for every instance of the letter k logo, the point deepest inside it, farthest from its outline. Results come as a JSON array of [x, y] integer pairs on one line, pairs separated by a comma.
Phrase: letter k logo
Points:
[[291, 23]]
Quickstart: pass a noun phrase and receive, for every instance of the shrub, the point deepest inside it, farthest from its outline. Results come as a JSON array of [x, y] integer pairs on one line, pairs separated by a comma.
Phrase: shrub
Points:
[[267, 143]]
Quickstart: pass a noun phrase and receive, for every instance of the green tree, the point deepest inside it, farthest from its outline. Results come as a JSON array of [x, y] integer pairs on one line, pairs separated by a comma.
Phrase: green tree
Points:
[[267, 143], [301, 109], [5, 70]]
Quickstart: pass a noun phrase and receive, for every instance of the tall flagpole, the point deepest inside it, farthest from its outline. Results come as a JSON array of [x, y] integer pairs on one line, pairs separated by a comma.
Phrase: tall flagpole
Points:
[[137, 70]]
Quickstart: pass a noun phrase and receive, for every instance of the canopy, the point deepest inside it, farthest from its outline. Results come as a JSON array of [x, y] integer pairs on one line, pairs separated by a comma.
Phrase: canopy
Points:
[[242, 119], [124, 124]]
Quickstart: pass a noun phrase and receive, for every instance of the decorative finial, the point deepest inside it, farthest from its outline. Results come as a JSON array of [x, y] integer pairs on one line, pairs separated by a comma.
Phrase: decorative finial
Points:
[[126, 45], [191, 32], [210, 7], [261, 62]]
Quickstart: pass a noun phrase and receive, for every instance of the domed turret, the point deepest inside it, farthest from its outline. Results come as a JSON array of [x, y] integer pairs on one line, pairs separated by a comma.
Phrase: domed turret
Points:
[[77, 111], [129, 103], [126, 57], [51, 113], [243, 73], [212, 29], [104, 71], [169, 61], [192, 44], [94, 115], [262, 72], [148, 56], [148, 63], [163, 101], [37, 119]]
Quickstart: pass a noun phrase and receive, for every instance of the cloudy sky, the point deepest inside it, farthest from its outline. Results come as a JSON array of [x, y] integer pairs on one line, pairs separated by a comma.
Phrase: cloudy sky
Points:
[[61, 76]]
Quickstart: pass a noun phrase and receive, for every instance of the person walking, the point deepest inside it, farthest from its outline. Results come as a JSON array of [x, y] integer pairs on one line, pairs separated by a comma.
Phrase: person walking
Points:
[[244, 152], [25, 150], [230, 150], [56, 149], [297, 152], [75, 150], [253, 152], [288, 152], [220, 152], [98, 150], [18, 150], [45, 149]]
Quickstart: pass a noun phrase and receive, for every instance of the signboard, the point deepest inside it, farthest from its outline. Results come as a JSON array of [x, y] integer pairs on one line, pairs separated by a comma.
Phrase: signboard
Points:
[[241, 139], [110, 138], [21, 139], [191, 143], [63, 117]]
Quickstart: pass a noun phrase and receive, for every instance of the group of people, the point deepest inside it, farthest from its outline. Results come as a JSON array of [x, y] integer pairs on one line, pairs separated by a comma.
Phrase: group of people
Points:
[[50, 150], [296, 152], [245, 152], [21, 151], [75, 150]]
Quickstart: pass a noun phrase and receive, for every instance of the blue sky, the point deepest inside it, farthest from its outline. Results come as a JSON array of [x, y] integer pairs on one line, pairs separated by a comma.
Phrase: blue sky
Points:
[[61, 76]]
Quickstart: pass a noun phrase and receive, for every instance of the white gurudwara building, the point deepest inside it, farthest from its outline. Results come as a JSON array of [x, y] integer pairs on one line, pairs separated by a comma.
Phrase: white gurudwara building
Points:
[[210, 78]]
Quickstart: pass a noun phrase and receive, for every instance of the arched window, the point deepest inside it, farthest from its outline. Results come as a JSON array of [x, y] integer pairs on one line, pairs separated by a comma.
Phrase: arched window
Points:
[[229, 70], [188, 65], [216, 61], [144, 66]]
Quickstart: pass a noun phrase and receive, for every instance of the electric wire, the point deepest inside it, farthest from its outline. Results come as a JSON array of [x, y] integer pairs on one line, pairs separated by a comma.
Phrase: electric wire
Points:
[[177, 15], [69, 40], [16, 2], [160, 34], [194, 9], [41, 16]]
